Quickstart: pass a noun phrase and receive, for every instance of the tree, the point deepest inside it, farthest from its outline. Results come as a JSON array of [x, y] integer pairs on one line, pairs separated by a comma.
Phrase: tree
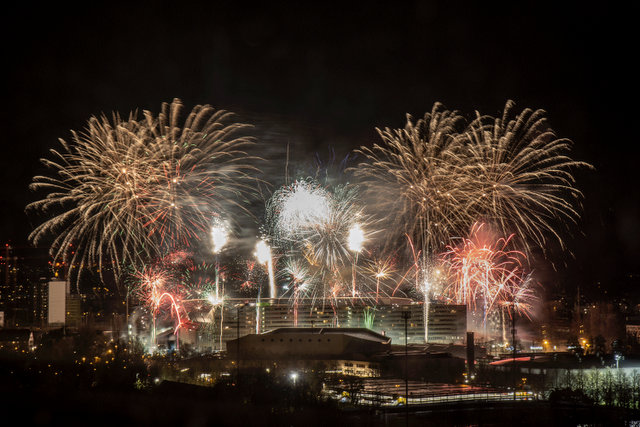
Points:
[[600, 345]]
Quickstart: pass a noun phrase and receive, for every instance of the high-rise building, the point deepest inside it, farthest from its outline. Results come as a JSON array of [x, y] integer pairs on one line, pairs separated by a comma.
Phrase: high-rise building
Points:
[[8, 275], [21, 270], [40, 302], [73, 311], [56, 302], [447, 323]]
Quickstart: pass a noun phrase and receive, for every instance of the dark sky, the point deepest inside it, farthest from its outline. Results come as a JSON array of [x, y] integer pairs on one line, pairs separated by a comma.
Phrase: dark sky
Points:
[[327, 75]]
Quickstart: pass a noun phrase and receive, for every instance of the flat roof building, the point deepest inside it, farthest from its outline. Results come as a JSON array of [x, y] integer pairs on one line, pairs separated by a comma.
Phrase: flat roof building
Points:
[[310, 343], [351, 351], [239, 317]]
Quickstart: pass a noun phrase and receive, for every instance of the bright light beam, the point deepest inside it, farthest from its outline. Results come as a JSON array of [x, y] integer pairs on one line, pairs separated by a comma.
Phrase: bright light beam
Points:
[[355, 241], [263, 253], [219, 235]]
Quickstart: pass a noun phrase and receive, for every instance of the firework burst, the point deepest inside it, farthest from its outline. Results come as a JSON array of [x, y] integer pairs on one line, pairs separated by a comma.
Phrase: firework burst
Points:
[[487, 276], [125, 190], [518, 175], [438, 180], [410, 179], [177, 290], [157, 289], [299, 283], [325, 228], [379, 270], [315, 221]]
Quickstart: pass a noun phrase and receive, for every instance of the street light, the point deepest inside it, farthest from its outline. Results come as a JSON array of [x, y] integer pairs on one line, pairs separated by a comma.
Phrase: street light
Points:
[[617, 356], [513, 344], [238, 307], [406, 315]]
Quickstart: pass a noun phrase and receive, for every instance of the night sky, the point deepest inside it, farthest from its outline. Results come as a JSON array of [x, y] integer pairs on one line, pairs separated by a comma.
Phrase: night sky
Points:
[[327, 75]]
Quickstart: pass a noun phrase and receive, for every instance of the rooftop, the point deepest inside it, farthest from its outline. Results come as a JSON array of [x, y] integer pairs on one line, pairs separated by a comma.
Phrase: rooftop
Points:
[[361, 333]]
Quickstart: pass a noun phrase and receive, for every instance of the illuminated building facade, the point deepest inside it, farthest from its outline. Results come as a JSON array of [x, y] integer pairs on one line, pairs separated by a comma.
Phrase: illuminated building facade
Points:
[[21, 285], [448, 322], [338, 350]]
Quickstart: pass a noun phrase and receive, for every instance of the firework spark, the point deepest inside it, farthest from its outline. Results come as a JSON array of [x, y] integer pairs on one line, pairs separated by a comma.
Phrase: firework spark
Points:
[[298, 207], [300, 279], [264, 256], [177, 290], [518, 175], [379, 269], [437, 180], [322, 231], [219, 235], [486, 275], [125, 190], [411, 178], [156, 287], [324, 227]]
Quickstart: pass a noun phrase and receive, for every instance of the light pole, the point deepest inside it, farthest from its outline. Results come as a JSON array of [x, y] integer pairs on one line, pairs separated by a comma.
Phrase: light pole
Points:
[[238, 307], [406, 315], [219, 238], [294, 378], [513, 344]]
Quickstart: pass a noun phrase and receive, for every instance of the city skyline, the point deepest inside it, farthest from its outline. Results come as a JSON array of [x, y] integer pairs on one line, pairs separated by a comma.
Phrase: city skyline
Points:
[[319, 213]]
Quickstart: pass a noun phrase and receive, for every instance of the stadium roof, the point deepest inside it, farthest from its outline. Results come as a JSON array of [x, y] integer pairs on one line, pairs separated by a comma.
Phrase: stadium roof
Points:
[[361, 333]]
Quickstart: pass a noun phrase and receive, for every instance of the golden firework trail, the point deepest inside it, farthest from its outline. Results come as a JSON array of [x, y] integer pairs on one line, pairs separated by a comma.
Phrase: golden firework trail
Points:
[[435, 178], [125, 190]]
